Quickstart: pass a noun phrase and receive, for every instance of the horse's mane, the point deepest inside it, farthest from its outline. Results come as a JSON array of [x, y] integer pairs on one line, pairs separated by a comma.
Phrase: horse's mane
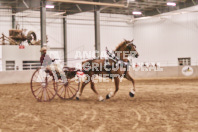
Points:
[[120, 45]]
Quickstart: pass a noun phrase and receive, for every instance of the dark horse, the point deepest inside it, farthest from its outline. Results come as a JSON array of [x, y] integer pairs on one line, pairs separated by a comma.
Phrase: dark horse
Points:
[[96, 69]]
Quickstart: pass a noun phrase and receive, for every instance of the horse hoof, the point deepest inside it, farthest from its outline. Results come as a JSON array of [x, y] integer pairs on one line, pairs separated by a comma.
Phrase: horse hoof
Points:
[[77, 98], [101, 99], [107, 97], [131, 94]]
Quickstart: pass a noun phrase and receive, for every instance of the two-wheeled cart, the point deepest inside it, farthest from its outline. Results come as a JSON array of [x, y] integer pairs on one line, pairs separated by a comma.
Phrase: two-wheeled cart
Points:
[[45, 86]]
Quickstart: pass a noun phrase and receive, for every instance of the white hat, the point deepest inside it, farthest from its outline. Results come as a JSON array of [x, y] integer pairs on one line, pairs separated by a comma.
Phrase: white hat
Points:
[[43, 49]]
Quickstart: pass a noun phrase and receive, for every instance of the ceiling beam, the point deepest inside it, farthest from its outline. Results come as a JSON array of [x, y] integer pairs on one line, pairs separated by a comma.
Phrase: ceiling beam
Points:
[[88, 3]]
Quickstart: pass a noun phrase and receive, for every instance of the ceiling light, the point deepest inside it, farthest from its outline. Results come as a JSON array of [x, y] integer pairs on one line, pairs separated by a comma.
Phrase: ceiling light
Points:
[[137, 13], [49, 6], [171, 4]]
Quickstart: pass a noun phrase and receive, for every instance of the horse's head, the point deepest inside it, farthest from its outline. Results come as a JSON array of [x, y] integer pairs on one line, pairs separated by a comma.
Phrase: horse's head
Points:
[[128, 46]]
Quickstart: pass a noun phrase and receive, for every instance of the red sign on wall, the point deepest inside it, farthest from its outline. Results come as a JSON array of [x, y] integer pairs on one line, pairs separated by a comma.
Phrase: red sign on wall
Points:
[[21, 47]]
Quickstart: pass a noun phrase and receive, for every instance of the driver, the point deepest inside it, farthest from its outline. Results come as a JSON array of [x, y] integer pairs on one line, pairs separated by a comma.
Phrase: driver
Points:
[[47, 62]]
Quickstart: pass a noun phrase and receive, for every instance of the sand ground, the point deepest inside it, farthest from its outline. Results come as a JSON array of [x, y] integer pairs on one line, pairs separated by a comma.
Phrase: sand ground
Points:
[[159, 106]]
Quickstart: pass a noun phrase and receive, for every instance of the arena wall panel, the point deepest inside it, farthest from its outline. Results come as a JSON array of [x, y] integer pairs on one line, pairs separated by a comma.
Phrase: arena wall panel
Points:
[[10, 77]]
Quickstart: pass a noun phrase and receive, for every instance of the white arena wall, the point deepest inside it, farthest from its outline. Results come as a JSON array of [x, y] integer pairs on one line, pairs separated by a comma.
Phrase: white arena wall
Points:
[[165, 39], [13, 53]]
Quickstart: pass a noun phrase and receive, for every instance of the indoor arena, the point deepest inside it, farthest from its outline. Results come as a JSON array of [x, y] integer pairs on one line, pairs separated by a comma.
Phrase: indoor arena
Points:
[[98, 66]]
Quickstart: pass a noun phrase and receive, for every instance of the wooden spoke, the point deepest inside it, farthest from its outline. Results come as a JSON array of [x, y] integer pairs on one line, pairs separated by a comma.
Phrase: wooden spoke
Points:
[[74, 89], [42, 94], [37, 89], [67, 91], [50, 92], [60, 88], [70, 90], [47, 94]]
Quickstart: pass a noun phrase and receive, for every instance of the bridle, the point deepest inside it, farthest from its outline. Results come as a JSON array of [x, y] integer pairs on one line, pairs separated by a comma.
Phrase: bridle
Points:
[[131, 43]]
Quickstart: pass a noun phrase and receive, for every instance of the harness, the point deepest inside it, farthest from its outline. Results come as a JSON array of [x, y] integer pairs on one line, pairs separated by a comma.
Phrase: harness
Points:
[[118, 61]]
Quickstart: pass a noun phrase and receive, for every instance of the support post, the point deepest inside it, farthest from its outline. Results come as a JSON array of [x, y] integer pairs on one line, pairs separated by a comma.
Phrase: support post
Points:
[[43, 22], [97, 31], [13, 22], [65, 38]]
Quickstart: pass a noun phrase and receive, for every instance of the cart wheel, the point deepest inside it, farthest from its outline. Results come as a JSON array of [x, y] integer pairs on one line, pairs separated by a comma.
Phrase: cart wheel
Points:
[[43, 86], [69, 89]]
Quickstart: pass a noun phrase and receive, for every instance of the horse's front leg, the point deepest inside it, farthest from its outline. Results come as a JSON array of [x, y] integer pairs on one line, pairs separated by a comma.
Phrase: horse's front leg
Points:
[[111, 94], [132, 91]]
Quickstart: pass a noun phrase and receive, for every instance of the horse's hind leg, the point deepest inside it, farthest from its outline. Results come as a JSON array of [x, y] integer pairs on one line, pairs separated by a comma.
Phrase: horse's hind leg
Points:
[[81, 89], [94, 89], [111, 94], [128, 77]]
